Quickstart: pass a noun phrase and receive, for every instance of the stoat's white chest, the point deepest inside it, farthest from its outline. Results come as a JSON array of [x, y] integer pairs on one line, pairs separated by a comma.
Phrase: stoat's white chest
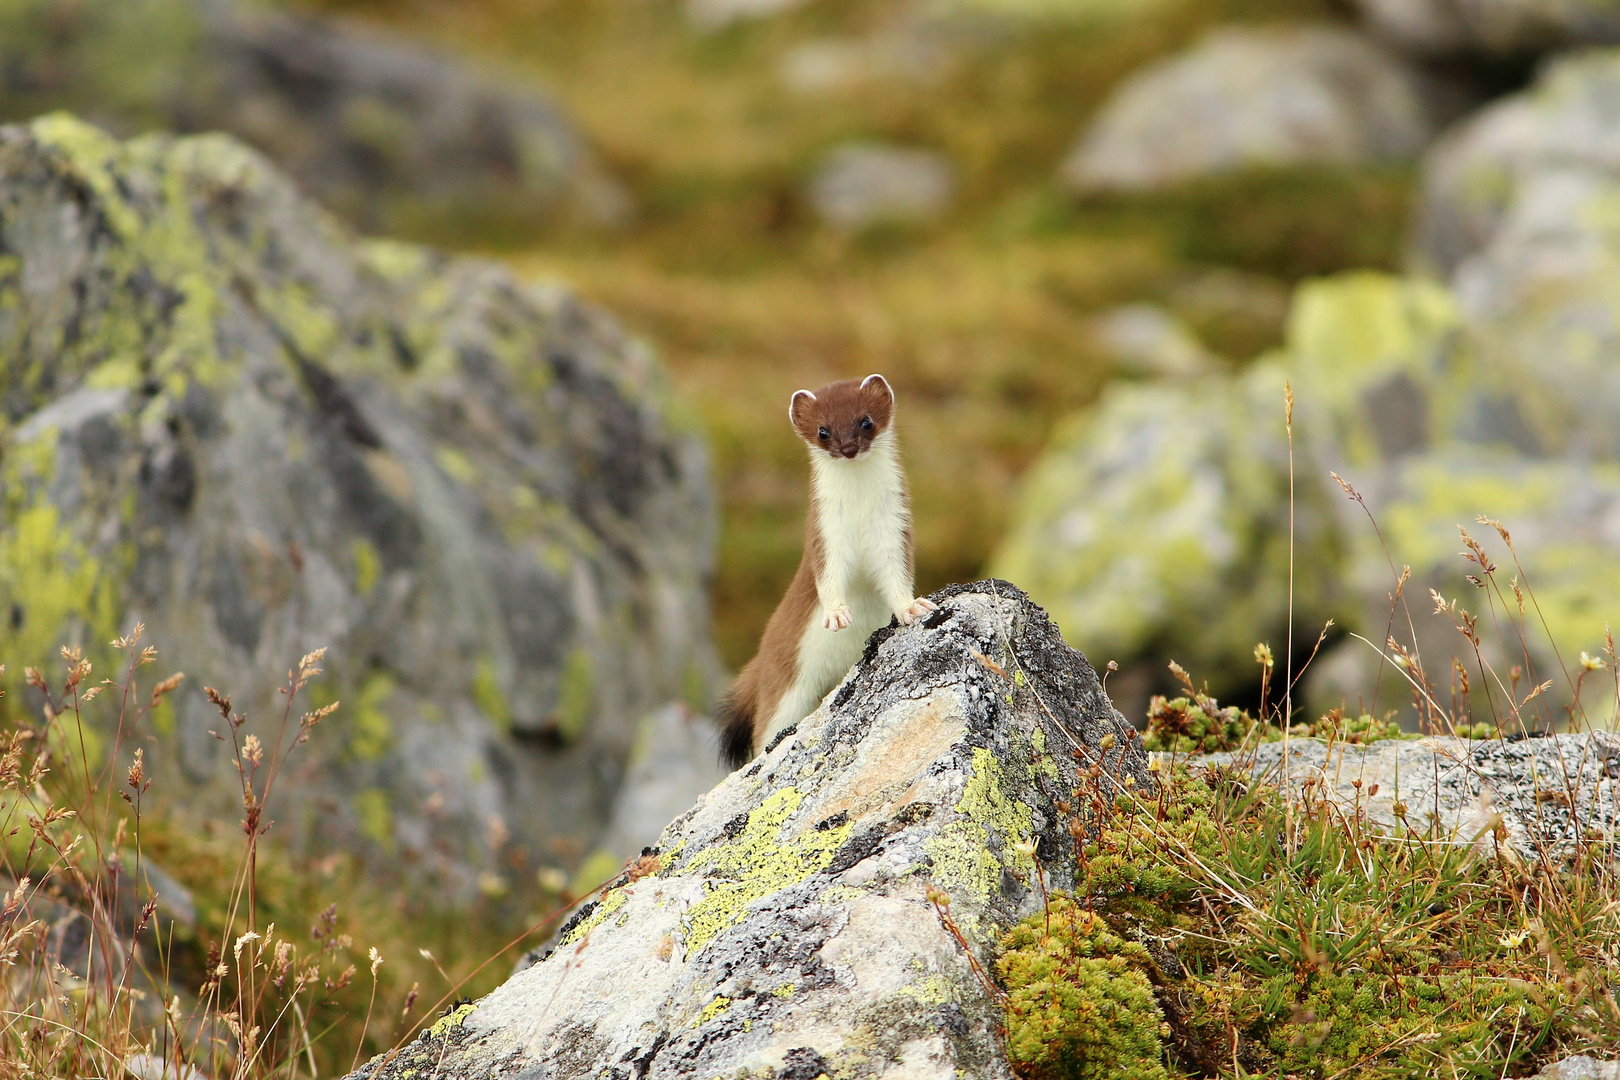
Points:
[[861, 508]]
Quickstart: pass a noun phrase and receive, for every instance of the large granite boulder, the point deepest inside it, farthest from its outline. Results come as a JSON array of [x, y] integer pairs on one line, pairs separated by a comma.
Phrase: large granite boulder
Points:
[[1518, 212], [786, 925], [1491, 28], [390, 134], [1155, 527], [1254, 97], [224, 416], [1156, 524], [1498, 162]]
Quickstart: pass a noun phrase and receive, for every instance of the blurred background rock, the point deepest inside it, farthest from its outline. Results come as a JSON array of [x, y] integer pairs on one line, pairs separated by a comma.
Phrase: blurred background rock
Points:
[[1088, 240]]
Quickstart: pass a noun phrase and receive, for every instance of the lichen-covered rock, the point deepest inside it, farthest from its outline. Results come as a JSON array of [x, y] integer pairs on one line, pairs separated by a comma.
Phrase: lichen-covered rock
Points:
[[224, 416], [1562, 518], [784, 927], [1548, 795], [1245, 97], [388, 133], [1518, 210], [1492, 28], [1155, 527], [1486, 168]]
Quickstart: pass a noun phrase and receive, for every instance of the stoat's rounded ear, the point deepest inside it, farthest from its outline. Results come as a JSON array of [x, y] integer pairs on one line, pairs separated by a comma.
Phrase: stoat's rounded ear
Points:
[[800, 399], [879, 383]]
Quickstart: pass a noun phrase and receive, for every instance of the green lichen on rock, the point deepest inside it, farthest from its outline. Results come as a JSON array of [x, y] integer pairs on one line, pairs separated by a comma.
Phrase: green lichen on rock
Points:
[[373, 810], [371, 732], [1373, 365], [53, 590], [452, 1019], [224, 416], [973, 853], [576, 694], [611, 902], [1155, 523], [754, 865]]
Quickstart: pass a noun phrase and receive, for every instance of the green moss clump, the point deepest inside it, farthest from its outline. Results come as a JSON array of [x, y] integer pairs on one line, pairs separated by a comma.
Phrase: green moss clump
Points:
[[1202, 725], [1359, 730], [1185, 726], [1080, 1006]]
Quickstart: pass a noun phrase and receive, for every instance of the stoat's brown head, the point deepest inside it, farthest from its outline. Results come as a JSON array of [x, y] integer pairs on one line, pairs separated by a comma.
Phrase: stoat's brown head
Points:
[[843, 418]]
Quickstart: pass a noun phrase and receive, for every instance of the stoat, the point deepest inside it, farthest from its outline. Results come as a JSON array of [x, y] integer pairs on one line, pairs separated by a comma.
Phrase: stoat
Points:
[[855, 573]]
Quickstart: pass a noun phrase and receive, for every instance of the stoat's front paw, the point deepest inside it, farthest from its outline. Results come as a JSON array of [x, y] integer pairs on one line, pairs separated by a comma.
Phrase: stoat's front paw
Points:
[[919, 607], [838, 618]]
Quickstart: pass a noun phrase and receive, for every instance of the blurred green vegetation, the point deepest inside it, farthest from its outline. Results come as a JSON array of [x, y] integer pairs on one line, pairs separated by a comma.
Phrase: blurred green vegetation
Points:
[[979, 319]]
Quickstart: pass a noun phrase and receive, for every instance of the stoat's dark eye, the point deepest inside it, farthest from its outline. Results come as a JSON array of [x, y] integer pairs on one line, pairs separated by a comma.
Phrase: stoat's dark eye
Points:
[[866, 423], [824, 434]]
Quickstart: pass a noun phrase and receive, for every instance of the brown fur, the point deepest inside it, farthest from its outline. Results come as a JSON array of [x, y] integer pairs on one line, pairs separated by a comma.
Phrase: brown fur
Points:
[[838, 409]]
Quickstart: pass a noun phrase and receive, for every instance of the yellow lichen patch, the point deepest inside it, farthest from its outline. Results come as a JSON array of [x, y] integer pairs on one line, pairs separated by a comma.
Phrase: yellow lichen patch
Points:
[[785, 990], [456, 464], [370, 732], [610, 903], [576, 695], [487, 695], [712, 1010], [963, 861], [52, 590], [367, 567], [376, 816], [932, 990], [754, 865], [1043, 761], [450, 1020]]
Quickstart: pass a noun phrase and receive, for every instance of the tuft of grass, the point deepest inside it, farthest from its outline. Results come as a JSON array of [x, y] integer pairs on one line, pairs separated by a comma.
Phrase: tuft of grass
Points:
[[103, 969]]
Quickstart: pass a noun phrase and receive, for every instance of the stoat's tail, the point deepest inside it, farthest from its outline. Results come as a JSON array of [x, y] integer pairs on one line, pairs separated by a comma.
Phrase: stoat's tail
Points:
[[737, 725]]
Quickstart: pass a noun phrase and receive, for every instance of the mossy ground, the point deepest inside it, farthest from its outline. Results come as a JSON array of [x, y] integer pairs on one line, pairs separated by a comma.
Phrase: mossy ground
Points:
[[1283, 941]]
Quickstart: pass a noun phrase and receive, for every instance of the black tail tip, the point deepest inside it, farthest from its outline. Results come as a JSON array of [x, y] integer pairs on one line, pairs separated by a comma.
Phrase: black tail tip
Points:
[[736, 734]]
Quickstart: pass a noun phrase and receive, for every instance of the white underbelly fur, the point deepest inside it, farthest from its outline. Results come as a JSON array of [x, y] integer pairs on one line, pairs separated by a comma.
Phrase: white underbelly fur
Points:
[[862, 515], [825, 655]]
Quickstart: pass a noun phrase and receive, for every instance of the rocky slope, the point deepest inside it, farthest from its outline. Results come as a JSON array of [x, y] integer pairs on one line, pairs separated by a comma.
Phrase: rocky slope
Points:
[[223, 415], [388, 133], [786, 925]]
